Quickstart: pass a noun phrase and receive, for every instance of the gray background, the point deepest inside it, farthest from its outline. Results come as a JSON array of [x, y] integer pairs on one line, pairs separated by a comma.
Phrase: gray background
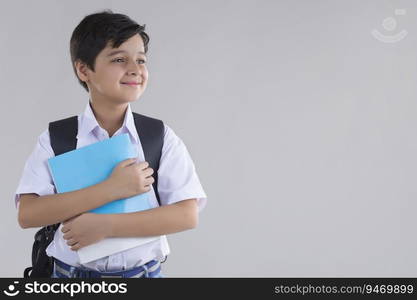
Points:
[[301, 125]]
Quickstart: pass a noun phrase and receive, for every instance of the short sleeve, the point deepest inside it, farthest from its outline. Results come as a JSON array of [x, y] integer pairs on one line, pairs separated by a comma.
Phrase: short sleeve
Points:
[[36, 177], [177, 176]]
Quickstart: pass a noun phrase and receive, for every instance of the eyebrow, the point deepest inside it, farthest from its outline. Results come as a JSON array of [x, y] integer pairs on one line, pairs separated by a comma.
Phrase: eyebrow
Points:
[[122, 51]]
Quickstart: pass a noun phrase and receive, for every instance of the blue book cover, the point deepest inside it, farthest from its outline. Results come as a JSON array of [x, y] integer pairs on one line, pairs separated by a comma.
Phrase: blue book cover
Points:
[[93, 164]]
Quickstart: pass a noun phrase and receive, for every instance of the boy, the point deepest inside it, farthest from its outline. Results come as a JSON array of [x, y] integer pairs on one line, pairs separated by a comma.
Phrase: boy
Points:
[[108, 53]]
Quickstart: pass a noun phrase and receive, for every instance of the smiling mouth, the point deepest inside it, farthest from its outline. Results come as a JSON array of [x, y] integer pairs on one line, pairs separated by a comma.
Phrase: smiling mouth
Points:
[[131, 83]]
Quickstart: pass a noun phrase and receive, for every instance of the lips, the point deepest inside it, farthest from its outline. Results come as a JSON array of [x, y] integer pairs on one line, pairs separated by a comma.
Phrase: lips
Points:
[[132, 83]]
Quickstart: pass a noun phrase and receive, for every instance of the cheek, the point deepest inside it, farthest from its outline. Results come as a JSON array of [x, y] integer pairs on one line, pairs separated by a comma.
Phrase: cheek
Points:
[[145, 75], [110, 82], [113, 75]]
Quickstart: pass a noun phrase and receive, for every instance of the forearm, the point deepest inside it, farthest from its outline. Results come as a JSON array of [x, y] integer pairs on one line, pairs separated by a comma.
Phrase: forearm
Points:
[[39, 211], [157, 221]]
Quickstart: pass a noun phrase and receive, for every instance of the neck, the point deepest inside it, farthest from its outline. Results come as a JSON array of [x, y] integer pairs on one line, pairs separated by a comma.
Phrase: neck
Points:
[[110, 116]]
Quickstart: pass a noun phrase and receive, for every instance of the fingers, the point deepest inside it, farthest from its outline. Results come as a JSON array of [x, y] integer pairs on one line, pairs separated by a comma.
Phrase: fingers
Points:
[[64, 229], [67, 236], [148, 172], [71, 242], [76, 247], [148, 182], [139, 171], [143, 165], [147, 188]]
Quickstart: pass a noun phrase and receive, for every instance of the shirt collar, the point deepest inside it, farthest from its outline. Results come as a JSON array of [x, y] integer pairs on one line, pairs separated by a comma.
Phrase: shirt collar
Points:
[[88, 123]]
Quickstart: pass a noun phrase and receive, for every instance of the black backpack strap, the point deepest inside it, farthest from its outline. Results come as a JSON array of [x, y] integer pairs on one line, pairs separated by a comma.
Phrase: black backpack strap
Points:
[[63, 135], [151, 134]]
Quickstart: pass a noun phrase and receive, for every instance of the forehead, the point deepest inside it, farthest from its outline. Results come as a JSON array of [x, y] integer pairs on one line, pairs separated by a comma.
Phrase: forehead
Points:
[[133, 45]]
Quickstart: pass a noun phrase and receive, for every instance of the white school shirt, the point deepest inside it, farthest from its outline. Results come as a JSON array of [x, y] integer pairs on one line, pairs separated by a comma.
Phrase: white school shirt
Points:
[[177, 180]]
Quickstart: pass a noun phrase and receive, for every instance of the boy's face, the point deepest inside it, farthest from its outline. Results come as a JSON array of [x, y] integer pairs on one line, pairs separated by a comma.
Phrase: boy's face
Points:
[[115, 68]]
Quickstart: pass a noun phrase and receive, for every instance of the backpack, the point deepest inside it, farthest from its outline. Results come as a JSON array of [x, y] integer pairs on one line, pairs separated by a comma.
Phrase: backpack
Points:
[[63, 139]]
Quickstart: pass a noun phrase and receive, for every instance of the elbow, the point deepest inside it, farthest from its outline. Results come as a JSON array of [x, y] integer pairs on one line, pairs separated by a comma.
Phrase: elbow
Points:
[[24, 226], [23, 219], [25, 211], [23, 222], [188, 214], [193, 222], [193, 218]]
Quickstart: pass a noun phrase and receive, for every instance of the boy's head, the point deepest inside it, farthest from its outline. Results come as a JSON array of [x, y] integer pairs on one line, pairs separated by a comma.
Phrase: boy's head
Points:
[[100, 70]]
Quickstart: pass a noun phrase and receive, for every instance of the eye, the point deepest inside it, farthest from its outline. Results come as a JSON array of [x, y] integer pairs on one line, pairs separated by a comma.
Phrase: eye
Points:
[[140, 61], [118, 60]]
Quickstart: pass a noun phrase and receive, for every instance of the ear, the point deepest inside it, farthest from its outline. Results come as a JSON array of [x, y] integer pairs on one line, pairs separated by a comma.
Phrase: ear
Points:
[[81, 69]]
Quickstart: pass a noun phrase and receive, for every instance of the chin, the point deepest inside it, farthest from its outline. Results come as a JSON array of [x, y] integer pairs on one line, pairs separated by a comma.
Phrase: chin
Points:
[[127, 98]]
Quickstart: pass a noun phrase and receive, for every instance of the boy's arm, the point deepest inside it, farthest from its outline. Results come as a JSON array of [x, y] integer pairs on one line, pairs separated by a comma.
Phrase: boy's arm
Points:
[[161, 220], [90, 228], [38, 211]]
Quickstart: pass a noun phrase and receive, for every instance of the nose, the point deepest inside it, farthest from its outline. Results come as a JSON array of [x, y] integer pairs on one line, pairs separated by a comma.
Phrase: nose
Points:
[[133, 69]]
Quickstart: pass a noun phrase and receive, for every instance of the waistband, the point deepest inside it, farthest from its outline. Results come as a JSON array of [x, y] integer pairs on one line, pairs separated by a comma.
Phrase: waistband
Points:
[[149, 269]]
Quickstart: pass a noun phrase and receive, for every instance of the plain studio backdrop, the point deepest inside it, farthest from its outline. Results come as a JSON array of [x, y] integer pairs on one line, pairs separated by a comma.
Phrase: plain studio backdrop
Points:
[[300, 116]]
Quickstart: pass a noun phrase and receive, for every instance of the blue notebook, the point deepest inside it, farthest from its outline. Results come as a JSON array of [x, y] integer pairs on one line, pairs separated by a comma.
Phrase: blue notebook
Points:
[[92, 164]]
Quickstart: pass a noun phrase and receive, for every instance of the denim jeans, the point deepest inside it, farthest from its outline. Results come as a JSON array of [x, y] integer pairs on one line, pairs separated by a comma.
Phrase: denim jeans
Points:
[[55, 275]]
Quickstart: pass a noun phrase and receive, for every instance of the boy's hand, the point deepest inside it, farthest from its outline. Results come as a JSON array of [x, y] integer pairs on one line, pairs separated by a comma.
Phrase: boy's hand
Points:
[[130, 178], [85, 229]]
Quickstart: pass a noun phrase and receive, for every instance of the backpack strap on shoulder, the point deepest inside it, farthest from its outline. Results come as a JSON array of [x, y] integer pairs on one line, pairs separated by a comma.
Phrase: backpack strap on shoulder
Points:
[[63, 135], [151, 134]]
